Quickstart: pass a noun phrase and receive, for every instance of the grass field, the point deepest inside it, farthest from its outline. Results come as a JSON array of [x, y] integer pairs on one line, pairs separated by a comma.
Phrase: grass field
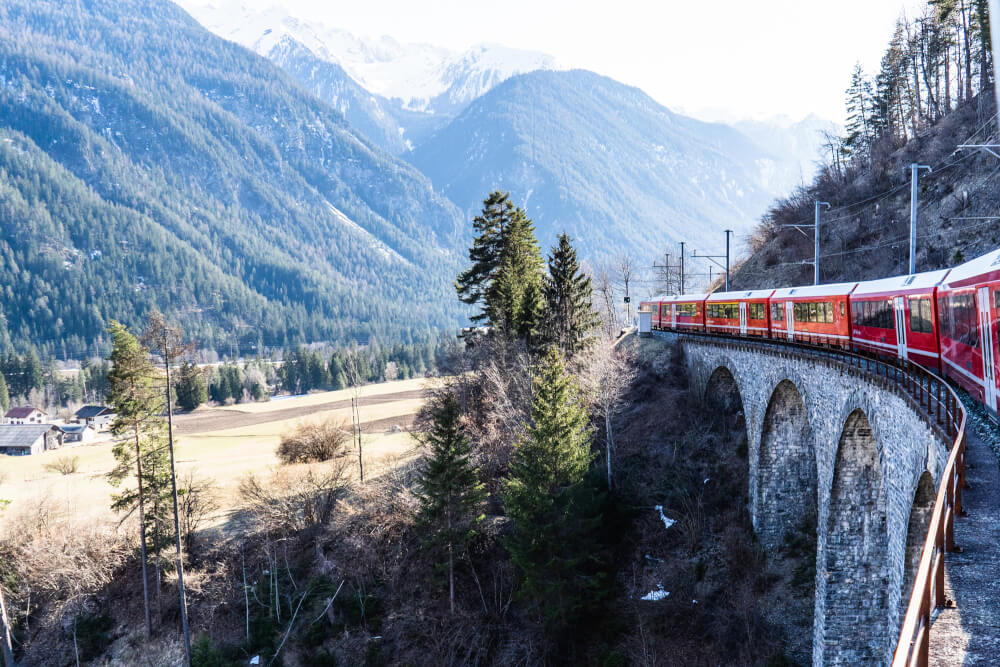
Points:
[[223, 444]]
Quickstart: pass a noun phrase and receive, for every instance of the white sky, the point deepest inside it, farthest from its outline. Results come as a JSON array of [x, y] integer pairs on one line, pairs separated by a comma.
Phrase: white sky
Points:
[[718, 59]]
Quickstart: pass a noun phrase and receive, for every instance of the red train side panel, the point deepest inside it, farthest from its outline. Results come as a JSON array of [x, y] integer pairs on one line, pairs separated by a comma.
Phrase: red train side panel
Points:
[[813, 314], [968, 307], [897, 317], [683, 312], [741, 313]]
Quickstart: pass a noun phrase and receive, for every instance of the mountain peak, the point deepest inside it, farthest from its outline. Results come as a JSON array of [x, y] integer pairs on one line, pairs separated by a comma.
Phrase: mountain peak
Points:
[[421, 77]]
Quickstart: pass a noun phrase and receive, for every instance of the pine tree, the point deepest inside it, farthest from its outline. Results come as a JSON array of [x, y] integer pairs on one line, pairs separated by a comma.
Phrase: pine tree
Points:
[[485, 253], [514, 302], [450, 493], [549, 501], [139, 443], [569, 313], [859, 139], [4, 395], [190, 387]]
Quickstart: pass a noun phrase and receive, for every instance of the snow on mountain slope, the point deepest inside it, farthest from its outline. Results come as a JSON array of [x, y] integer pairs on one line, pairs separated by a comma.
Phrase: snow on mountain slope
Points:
[[422, 77]]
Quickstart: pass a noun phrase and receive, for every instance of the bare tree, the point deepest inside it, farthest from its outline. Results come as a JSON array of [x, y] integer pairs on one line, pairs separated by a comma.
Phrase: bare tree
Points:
[[5, 645], [604, 291], [626, 269], [609, 372], [167, 339]]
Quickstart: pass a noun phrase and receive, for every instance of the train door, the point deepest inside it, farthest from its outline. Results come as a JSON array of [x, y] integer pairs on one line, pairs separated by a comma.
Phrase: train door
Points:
[[673, 316], [790, 319], [987, 333], [743, 318], [900, 309]]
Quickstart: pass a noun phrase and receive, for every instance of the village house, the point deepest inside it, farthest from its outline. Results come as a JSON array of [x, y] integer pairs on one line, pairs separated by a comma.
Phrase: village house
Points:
[[25, 415], [76, 433], [97, 417], [27, 439]]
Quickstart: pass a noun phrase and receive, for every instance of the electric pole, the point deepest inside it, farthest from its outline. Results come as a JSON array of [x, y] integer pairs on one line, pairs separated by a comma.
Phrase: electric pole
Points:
[[819, 204], [682, 267], [914, 171], [728, 233]]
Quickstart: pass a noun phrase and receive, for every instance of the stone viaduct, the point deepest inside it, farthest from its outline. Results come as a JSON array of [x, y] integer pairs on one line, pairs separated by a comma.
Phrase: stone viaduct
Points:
[[835, 448]]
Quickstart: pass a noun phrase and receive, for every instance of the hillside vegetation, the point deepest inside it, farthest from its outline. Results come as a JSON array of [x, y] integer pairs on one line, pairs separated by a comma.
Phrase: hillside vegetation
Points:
[[932, 94], [146, 161]]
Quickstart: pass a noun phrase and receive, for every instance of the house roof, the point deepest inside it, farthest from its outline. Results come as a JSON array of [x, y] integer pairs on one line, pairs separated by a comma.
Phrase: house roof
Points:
[[21, 412], [72, 428], [21, 435], [89, 411]]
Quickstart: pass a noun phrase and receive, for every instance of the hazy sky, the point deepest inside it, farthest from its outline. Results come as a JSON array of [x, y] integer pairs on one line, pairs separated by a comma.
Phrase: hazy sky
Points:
[[738, 58]]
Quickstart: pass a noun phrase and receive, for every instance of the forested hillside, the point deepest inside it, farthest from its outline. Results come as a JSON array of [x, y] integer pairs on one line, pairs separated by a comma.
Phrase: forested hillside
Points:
[[602, 161], [146, 161], [932, 95]]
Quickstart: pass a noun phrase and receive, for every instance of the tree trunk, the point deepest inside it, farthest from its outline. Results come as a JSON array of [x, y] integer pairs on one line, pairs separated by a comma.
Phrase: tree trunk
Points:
[[611, 444], [947, 78], [968, 54], [142, 535], [173, 489], [451, 570], [5, 644]]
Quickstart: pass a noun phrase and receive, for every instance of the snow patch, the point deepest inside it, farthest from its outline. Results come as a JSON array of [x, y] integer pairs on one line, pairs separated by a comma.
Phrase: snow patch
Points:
[[658, 594], [667, 521], [376, 244]]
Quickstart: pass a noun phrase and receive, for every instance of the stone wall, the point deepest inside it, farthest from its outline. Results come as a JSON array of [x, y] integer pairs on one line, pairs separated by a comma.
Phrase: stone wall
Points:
[[832, 440]]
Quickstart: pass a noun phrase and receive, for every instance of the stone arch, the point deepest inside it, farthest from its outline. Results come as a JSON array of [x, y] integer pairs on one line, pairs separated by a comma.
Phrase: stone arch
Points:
[[786, 470], [916, 533], [856, 565], [723, 391]]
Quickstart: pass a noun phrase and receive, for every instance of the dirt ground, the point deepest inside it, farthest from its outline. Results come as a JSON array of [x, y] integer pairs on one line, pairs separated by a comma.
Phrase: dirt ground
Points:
[[220, 444]]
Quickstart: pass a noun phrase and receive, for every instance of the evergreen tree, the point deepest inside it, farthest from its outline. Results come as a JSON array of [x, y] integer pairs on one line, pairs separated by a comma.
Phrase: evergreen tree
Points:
[[550, 503], [139, 443], [569, 313], [858, 140], [451, 495], [485, 253], [190, 387], [4, 395], [514, 302]]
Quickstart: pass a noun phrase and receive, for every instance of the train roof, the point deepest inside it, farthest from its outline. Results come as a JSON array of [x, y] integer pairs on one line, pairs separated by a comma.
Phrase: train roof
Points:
[[683, 298], [983, 268], [915, 281], [835, 289], [746, 294]]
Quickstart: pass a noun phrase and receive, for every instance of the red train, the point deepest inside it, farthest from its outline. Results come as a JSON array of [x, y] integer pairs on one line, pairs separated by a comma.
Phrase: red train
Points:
[[943, 320]]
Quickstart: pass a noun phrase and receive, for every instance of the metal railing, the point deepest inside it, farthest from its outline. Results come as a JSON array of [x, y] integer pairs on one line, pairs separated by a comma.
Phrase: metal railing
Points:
[[937, 402]]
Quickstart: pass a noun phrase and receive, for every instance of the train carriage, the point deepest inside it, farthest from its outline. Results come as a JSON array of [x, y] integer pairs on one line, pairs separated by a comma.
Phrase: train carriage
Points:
[[743, 313], [813, 314], [897, 317], [683, 312], [968, 307]]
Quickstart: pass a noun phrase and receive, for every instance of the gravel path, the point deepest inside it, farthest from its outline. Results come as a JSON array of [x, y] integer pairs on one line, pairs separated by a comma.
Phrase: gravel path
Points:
[[969, 633]]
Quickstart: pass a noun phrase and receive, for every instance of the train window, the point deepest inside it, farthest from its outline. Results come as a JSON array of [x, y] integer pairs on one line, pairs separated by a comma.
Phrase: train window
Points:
[[687, 310], [996, 297], [664, 311], [843, 306], [959, 319], [828, 312], [778, 312], [920, 315], [755, 311]]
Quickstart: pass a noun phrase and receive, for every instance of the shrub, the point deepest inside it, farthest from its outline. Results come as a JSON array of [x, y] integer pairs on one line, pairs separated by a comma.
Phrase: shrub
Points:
[[205, 654], [313, 442], [64, 465], [295, 499], [92, 634]]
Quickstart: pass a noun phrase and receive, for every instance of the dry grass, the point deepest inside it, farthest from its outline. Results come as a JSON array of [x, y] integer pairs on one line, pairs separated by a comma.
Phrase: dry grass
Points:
[[64, 465]]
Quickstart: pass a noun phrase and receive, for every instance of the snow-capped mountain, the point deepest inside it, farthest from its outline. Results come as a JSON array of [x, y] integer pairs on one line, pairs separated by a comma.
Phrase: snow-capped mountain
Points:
[[421, 77]]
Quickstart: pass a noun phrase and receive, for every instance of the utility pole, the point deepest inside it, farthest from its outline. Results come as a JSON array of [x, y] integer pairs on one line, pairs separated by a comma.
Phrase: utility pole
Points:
[[819, 205], [914, 171], [682, 267], [995, 32], [728, 233]]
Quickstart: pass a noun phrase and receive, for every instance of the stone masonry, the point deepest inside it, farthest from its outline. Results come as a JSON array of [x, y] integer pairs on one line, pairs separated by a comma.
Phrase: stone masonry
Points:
[[826, 439]]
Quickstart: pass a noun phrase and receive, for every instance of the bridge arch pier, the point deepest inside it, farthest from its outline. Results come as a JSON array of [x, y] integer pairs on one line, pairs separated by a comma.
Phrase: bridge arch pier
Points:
[[849, 415]]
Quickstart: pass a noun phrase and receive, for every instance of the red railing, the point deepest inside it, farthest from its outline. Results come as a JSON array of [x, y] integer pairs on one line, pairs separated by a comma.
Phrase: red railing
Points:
[[940, 406]]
